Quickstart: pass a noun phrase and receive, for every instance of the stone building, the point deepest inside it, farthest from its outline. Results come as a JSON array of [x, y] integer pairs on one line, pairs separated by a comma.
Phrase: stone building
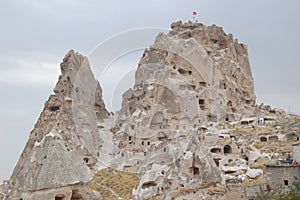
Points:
[[284, 175], [281, 175]]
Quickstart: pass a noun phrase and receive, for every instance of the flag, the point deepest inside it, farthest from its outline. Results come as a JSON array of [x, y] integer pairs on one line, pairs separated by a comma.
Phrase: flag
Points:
[[194, 13]]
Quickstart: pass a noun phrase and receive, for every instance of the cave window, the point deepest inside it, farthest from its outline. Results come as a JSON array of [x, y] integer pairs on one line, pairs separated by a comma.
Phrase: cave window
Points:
[[181, 71], [248, 102], [86, 160], [203, 84], [60, 197], [196, 171], [190, 72], [145, 153], [215, 150], [227, 149], [217, 162], [165, 149], [201, 101], [263, 139], [148, 143], [54, 108], [286, 182], [142, 142], [129, 138]]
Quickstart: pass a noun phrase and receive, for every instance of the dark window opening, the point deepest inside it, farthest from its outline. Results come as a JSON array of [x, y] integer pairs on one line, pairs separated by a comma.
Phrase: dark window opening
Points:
[[149, 184], [248, 102], [148, 143], [60, 197], [86, 160], [195, 171], [129, 138], [54, 108], [286, 182], [217, 162], [227, 149], [229, 103], [203, 84], [263, 139], [142, 142], [181, 71], [201, 101], [215, 150]]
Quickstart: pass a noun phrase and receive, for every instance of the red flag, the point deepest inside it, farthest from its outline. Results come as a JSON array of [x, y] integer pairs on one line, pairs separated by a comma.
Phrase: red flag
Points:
[[194, 13]]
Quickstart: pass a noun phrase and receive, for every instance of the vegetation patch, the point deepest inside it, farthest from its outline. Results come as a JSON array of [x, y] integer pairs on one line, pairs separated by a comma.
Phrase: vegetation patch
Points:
[[112, 184]]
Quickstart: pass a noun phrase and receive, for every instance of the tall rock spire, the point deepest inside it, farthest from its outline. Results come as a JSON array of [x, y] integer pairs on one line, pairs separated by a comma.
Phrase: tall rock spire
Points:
[[65, 142]]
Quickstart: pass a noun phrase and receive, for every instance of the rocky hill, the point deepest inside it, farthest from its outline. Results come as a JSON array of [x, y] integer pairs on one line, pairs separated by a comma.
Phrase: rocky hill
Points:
[[188, 129]]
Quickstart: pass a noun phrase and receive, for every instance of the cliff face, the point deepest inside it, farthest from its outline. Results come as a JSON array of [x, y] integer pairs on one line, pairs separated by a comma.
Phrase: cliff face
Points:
[[188, 84]]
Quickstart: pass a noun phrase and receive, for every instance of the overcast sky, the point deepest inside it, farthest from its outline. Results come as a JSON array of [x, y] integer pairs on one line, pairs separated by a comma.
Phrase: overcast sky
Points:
[[35, 36]]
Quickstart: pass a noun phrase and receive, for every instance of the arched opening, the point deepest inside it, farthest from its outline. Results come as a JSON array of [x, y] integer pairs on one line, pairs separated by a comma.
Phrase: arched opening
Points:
[[227, 149], [273, 138], [263, 139], [292, 137], [157, 121]]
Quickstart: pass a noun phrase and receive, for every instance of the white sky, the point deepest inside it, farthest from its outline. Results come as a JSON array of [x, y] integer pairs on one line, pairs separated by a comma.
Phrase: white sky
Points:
[[35, 35]]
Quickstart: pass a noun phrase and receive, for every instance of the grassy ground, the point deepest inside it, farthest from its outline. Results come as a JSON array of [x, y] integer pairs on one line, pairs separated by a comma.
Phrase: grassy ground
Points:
[[112, 184]]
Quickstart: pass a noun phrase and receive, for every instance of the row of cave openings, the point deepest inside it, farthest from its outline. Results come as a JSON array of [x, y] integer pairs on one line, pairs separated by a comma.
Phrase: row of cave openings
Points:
[[274, 138], [75, 196]]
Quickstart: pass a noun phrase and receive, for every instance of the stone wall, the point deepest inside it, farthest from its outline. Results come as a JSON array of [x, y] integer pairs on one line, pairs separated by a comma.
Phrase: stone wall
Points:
[[281, 175]]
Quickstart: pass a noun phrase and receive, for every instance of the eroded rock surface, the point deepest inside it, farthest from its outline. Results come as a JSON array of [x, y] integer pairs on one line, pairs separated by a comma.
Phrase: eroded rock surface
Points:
[[65, 139], [188, 129]]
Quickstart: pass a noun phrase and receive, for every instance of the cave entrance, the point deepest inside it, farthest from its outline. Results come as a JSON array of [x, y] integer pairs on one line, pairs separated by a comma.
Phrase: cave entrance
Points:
[[227, 149]]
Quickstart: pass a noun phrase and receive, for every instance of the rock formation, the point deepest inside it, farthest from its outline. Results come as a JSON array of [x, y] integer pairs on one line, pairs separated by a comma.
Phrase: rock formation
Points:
[[64, 144], [182, 132]]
